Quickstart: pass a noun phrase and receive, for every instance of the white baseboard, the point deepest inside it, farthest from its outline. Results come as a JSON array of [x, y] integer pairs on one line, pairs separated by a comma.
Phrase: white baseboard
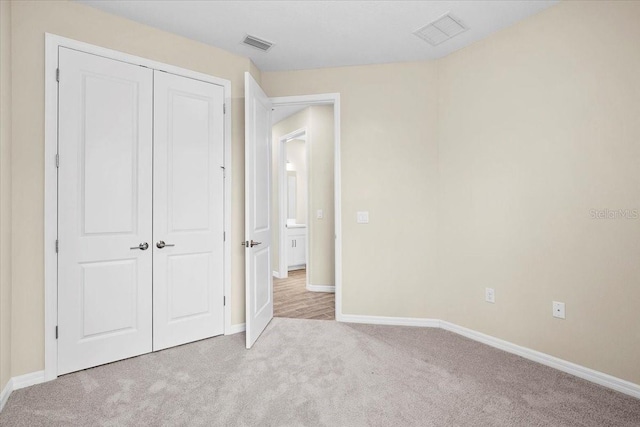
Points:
[[276, 275], [321, 288], [579, 371], [384, 320], [605, 380], [235, 329], [4, 395], [21, 381]]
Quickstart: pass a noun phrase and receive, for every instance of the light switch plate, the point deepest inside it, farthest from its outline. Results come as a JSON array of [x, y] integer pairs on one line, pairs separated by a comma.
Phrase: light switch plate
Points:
[[319, 214], [362, 217]]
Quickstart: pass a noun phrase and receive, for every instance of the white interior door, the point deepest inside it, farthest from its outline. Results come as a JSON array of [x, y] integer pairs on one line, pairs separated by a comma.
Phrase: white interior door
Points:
[[259, 282], [104, 203], [188, 210]]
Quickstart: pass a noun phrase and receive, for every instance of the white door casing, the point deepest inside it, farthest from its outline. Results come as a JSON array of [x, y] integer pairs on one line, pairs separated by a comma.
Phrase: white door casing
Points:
[[52, 311], [105, 202], [188, 213], [259, 280]]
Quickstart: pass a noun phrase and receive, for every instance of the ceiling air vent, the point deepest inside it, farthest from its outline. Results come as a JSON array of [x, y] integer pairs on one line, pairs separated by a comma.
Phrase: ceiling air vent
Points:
[[252, 41], [441, 30]]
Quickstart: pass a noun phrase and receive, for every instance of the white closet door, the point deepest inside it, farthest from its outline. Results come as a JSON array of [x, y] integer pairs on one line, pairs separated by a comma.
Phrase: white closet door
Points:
[[104, 203], [188, 210]]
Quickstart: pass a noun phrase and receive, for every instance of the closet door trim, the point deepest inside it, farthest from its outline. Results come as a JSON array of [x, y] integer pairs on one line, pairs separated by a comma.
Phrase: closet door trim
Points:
[[52, 45]]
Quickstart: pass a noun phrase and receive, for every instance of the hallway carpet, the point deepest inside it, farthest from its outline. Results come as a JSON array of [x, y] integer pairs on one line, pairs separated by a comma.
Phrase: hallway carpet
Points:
[[323, 373]]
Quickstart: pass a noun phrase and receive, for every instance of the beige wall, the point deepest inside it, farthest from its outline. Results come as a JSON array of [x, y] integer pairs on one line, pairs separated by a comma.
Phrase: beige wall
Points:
[[30, 21], [535, 126], [389, 167], [5, 193], [255, 73], [539, 124], [478, 170], [318, 120], [321, 269]]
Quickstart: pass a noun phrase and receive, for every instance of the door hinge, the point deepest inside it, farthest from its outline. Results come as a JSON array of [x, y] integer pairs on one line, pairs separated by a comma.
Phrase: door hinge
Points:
[[224, 236], [57, 245], [56, 332], [57, 74], [224, 108], [57, 160], [224, 300]]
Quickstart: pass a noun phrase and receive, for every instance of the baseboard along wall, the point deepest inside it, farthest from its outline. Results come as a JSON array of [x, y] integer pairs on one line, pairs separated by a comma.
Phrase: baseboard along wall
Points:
[[236, 329], [21, 381], [597, 377], [33, 378], [321, 288], [579, 371], [4, 395]]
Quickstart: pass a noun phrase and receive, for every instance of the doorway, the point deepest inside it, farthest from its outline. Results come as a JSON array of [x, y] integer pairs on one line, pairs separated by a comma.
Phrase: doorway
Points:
[[303, 207], [259, 192]]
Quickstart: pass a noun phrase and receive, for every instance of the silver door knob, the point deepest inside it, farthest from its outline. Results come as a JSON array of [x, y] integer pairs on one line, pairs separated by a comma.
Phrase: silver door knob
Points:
[[255, 243], [161, 244], [142, 246]]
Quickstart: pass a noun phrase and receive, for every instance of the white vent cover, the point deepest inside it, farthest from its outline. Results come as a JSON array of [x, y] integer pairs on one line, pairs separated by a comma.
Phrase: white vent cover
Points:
[[252, 41], [441, 30]]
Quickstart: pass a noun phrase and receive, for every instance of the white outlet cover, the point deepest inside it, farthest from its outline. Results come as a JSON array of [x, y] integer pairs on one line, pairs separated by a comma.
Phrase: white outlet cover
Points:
[[558, 310], [362, 217], [490, 295]]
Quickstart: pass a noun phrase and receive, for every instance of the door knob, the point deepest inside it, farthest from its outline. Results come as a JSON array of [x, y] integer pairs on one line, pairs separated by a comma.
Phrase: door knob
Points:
[[255, 243], [142, 246], [161, 244]]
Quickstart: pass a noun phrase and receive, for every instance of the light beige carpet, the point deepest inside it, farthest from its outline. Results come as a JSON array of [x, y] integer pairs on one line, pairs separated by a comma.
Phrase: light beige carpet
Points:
[[323, 373]]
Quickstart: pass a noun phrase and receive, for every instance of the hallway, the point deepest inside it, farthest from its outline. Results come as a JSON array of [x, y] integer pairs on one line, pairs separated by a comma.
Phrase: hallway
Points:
[[292, 299]]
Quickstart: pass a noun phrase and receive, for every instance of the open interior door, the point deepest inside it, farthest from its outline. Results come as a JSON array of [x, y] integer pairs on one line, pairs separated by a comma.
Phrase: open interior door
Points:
[[259, 280]]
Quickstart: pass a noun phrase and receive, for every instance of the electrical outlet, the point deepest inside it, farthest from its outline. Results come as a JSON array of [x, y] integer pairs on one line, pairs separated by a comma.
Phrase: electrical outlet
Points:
[[490, 295], [558, 309], [362, 217]]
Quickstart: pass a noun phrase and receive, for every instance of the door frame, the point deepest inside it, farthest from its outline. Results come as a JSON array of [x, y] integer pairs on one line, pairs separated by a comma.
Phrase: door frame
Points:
[[52, 45], [326, 99], [283, 267]]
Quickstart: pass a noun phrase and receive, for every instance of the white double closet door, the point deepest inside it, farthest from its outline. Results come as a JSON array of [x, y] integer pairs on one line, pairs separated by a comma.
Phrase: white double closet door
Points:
[[140, 208]]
